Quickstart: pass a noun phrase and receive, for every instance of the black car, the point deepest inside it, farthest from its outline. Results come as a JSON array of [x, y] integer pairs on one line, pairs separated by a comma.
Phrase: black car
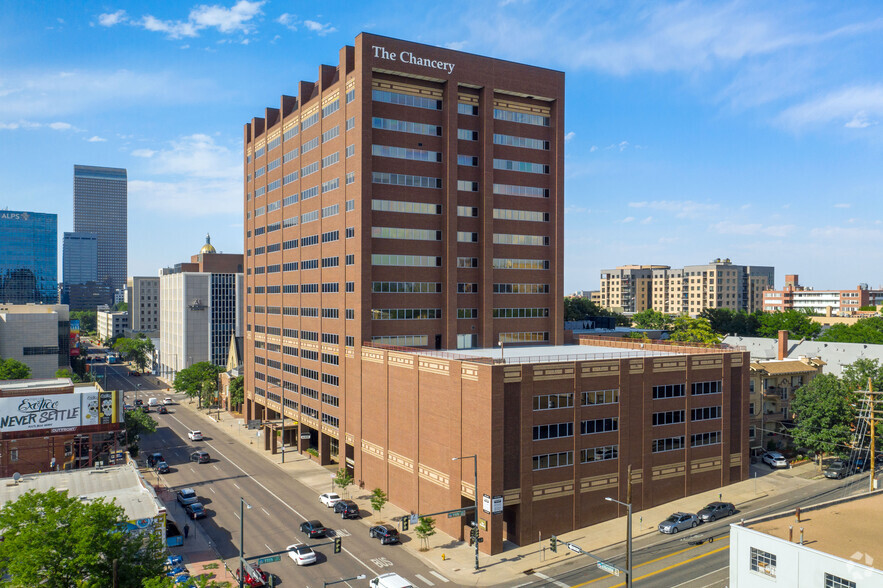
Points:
[[386, 533], [313, 529], [200, 457], [716, 510], [187, 496], [347, 509], [138, 403], [839, 468], [195, 510], [162, 468], [153, 459]]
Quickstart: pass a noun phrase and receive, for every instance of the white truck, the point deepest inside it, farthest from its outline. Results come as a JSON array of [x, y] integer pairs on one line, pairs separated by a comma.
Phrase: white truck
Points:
[[390, 581]]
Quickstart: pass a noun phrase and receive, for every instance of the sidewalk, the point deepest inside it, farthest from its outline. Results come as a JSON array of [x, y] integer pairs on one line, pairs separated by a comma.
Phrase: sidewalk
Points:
[[513, 564]]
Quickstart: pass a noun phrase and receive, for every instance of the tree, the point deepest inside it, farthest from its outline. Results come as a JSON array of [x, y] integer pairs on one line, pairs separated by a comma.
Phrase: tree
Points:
[[425, 530], [855, 375], [88, 320], [343, 478], [138, 422], [651, 319], [66, 373], [121, 306], [137, 350], [378, 499], [796, 322], [824, 413], [865, 331], [725, 321], [12, 369], [237, 391], [52, 539], [203, 581], [577, 308], [194, 380], [694, 330]]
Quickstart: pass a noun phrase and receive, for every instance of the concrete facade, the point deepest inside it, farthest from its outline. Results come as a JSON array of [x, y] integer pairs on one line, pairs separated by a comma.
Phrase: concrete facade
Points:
[[37, 335], [111, 324], [839, 303], [144, 304]]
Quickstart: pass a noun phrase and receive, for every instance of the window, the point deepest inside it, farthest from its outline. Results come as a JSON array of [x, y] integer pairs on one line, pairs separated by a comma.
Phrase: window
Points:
[[290, 133], [402, 314], [521, 288], [350, 95], [309, 169], [554, 431], [669, 391], [406, 180], [668, 418], [350, 150], [832, 581], [402, 233], [599, 453], [464, 262], [467, 135], [350, 232], [330, 236], [404, 153], [763, 562], [466, 288], [351, 123], [329, 160], [330, 185], [520, 312], [406, 100], [310, 192], [467, 313], [702, 439], [599, 426], [521, 166], [668, 444], [467, 160], [310, 145], [521, 215], [406, 260], [552, 460], [309, 121], [467, 237], [407, 207], [468, 109], [290, 155], [403, 126], [552, 401], [350, 178], [511, 190], [520, 142], [309, 217], [350, 260], [465, 186], [274, 164], [331, 108], [521, 117], [467, 211], [711, 412], [532, 264], [713, 387]]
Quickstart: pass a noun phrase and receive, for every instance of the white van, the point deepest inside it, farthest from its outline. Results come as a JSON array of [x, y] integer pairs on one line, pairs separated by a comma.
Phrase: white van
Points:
[[390, 581], [153, 402]]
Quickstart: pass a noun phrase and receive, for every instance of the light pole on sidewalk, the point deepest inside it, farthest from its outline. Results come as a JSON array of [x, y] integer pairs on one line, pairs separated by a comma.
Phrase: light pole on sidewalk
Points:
[[475, 462], [242, 506], [628, 556]]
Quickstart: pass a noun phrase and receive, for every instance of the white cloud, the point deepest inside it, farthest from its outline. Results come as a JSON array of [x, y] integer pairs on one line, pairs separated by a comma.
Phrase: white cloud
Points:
[[569, 136], [832, 234], [647, 220], [288, 20], [29, 125], [60, 126], [628, 219], [751, 229], [186, 197], [148, 153], [681, 208], [112, 18], [174, 29], [239, 18], [96, 139], [593, 149], [456, 45], [842, 205], [860, 121], [319, 28], [855, 105]]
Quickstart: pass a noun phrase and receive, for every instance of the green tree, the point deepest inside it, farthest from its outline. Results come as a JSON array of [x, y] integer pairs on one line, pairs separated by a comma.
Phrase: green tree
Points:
[[196, 379], [796, 322], [88, 320], [66, 373], [425, 529], [203, 581], [237, 392], [824, 411], [727, 321], [867, 331], [378, 499], [12, 369], [343, 478], [52, 539], [577, 308], [694, 330], [121, 306], [138, 350], [855, 375], [652, 319], [137, 423]]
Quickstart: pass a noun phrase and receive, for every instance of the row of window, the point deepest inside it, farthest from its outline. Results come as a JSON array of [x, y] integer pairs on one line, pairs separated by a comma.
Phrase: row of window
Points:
[[679, 390]]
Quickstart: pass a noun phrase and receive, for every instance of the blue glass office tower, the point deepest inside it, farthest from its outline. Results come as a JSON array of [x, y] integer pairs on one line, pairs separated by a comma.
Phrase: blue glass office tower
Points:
[[28, 257]]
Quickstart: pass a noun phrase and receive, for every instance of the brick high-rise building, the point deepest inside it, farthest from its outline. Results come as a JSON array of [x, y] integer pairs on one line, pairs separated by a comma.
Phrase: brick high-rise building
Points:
[[402, 158]]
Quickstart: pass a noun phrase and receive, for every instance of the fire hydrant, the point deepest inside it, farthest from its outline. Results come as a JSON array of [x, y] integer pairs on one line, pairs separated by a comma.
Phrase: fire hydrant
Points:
[[443, 557]]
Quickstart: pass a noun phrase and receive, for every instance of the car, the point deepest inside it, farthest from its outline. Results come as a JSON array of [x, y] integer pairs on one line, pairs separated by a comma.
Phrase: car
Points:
[[774, 459], [138, 402], [329, 499], [195, 435], [200, 457], [174, 560], [301, 554], [153, 459], [134, 374], [162, 410], [167, 401], [716, 510], [678, 522], [138, 385], [386, 533], [162, 468], [839, 468], [347, 509], [128, 408], [195, 510], [313, 529], [257, 579], [187, 496]]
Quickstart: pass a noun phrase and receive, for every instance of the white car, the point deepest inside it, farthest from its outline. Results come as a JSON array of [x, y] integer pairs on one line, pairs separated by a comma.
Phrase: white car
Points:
[[774, 459], [166, 400], [329, 499], [301, 554], [195, 435]]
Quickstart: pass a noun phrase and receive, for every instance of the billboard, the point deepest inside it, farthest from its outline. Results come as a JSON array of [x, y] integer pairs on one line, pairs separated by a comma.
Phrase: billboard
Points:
[[60, 412], [75, 338]]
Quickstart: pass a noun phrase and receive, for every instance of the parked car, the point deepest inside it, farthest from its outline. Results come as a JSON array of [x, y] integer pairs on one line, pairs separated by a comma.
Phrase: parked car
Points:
[[386, 533], [187, 496], [195, 435], [195, 510], [837, 469], [329, 499], [678, 522], [162, 468], [301, 554], [347, 509], [153, 459], [138, 402], [259, 579], [716, 510], [167, 401], [313, 529], [200, 457], [774, 459], [162, 410]]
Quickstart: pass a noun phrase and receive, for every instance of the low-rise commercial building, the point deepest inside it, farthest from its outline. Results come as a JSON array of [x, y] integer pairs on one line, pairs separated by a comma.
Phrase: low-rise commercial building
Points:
[[830, 302], [111, 324], [37, 335]]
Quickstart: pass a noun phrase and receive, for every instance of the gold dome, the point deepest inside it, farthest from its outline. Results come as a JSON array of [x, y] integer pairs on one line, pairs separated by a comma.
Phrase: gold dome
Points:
[[208, 247]]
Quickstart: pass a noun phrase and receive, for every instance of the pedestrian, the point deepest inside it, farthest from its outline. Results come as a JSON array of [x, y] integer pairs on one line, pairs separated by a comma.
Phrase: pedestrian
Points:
[[186, 530]]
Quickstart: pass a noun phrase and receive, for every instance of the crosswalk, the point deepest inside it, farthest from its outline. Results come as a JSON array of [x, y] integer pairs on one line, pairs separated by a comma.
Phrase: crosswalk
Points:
[[429, 582]]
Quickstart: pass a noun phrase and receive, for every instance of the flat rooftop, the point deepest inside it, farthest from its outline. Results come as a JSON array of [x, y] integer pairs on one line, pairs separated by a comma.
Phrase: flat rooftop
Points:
[[542, 353], [122, 483], [838, 528], [47, 385]]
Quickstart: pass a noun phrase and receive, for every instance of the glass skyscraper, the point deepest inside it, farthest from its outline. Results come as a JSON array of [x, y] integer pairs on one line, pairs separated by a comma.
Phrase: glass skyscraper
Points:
[[28, 257], [101, 208]]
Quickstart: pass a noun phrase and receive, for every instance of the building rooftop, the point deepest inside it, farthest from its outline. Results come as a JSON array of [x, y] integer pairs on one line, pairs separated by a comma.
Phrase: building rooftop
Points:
[[538, 353], [47, 385], [788, 366], [835, 355], [121, 483], [841, 528]]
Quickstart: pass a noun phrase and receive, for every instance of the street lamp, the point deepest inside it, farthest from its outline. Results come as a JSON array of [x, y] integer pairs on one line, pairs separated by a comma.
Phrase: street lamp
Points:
[[359, 577], [242, 506], [475, 462], [502, 350], [628, 553]]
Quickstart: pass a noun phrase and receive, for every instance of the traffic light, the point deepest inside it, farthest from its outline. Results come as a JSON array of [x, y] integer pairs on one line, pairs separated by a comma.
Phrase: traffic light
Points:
[[337, 546], [406, 520], [553, 544]]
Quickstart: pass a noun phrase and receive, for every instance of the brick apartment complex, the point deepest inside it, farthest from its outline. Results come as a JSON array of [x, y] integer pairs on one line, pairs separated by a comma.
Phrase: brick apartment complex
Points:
[[831, 302], [688, 290]]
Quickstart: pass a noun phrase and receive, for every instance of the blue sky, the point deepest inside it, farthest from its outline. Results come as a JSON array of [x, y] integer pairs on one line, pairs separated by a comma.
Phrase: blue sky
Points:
[[747, 130]]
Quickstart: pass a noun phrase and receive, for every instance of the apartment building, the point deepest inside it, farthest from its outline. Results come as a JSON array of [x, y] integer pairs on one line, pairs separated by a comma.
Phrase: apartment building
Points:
[[410, 196], [688, 290], [843, 303], [144, 305], [111, 324]]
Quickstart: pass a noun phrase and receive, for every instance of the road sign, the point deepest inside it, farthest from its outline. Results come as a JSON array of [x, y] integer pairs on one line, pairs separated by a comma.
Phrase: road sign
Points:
[[414, 520], [573, 548], [456, 513], [608, 568], [271, 559], [304, 435]]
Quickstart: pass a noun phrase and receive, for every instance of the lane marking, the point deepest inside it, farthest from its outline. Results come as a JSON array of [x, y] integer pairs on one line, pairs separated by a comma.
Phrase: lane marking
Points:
[[439, 576], [212, 489], [268, 547], [265, 511], [237, 486], [549, 580], [273, 494], [421, 578], [235, 514], [700, 577], [671, 567]]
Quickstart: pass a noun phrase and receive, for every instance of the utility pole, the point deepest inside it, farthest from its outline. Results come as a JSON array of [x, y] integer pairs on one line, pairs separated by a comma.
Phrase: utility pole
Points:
[[628, 499], [872, 456]]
